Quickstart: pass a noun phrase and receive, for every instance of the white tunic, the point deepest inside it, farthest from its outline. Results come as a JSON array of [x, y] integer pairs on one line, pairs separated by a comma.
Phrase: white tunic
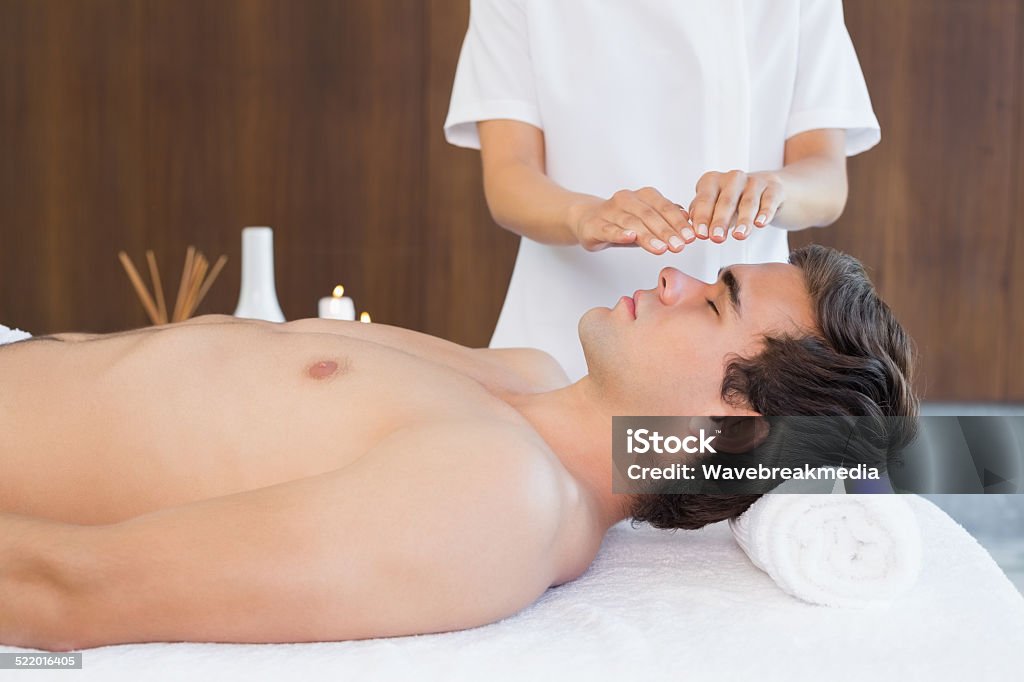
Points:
[[631, 93]]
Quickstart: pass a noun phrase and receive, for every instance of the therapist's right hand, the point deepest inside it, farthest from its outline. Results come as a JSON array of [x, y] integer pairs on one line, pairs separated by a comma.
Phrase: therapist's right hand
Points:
[[643, 218]]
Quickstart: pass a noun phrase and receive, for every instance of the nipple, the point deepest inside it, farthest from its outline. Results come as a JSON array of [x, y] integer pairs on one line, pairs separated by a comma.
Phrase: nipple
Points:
[[323, 369]]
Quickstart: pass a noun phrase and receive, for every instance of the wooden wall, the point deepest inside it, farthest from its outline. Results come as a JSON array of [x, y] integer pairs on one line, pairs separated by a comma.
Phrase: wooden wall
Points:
[[131, 124]]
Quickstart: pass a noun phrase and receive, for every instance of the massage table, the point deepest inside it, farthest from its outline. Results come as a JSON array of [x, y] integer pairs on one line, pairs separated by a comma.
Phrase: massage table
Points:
[[683, 606]]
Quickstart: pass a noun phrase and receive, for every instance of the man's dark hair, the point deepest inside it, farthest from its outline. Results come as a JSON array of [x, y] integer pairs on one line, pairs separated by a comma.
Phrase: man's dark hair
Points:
[[859, 362]]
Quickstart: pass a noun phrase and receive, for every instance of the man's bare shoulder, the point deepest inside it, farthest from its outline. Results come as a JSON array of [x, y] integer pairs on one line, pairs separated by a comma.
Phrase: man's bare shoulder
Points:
[[539, 369], [496, 454], [489, 500], [492, 469]]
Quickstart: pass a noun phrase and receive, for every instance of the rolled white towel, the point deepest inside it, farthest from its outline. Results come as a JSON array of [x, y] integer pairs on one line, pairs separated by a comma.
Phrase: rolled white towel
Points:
[[835, 550], [8, 335]]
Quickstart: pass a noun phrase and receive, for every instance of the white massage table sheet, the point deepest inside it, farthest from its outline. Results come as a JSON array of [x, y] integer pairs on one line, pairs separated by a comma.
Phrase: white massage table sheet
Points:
[[689, 606]]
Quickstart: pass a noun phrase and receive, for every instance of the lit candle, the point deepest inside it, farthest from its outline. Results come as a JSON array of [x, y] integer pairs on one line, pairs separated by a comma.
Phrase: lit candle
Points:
[[364, 316], [337, 306]]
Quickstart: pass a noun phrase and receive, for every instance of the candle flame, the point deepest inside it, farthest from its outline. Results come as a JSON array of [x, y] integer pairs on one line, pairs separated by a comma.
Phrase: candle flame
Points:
[[364, 317], [339, 291]]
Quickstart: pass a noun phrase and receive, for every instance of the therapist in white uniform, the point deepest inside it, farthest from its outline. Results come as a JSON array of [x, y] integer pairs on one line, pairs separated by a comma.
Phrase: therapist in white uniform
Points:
[[697, 132]]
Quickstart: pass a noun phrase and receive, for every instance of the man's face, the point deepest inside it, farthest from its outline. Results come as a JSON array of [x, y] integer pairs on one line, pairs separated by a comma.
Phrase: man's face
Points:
[[664, 350]]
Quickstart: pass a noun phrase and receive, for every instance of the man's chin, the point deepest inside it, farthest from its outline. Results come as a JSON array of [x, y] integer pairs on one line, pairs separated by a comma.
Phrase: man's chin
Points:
[[592, 321], [595, 332]]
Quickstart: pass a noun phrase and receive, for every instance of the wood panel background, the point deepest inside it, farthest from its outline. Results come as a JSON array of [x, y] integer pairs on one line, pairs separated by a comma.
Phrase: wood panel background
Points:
[[135, 124], [934, 209]]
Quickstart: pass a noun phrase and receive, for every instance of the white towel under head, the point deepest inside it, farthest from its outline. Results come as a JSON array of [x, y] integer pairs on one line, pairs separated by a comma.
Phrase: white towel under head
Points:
[[8, 335], [835, 550]]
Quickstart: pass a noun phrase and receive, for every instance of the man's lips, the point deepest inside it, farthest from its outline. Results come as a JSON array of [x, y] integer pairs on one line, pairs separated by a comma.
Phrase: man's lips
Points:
[[630, 305]]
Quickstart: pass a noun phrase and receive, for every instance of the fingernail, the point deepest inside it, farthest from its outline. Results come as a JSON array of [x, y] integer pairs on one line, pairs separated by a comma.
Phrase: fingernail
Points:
[[718, 231], [761, 218], [702, 230], [688, 234], [658, 244], [741, 230], [676, 242], [630, 233]]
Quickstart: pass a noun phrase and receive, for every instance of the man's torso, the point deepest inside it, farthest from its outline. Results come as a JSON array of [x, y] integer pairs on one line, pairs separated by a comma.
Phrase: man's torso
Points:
[[107, 428]]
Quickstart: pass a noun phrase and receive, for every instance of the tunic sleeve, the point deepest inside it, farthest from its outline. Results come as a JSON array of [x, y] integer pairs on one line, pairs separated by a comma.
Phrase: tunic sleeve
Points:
[[830, 91], [494, 77]]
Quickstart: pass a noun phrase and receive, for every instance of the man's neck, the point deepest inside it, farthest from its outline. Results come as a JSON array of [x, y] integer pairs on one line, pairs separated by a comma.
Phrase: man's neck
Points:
[[576, 424]]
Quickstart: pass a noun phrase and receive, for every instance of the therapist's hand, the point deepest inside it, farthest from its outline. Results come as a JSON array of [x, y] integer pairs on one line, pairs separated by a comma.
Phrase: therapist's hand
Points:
[[735, 202], [643, 218]]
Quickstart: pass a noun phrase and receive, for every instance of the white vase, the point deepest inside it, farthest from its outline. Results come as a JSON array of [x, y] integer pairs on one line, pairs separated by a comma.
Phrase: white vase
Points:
[[258, 297]]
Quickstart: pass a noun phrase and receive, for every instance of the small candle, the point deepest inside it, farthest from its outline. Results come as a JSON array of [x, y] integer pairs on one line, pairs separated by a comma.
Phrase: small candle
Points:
[[337, 306], [364, 316]]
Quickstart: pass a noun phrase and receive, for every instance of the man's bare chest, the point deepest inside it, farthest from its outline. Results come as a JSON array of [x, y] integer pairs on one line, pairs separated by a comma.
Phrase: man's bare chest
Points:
[[188, 414]]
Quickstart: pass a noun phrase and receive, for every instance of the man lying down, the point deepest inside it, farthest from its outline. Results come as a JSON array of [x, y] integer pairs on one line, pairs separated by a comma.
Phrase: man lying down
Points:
[[227, 480]]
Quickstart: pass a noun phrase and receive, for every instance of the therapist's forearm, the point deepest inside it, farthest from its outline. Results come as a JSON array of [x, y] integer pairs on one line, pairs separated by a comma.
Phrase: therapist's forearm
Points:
[[815, 193], [524, 200]]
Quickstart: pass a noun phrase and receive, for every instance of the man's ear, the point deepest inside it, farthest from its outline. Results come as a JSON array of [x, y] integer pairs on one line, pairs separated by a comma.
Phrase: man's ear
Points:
[[734, 434]]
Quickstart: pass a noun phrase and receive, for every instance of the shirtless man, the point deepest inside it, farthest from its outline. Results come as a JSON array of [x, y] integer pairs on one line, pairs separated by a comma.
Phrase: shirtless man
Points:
[[239, 481]]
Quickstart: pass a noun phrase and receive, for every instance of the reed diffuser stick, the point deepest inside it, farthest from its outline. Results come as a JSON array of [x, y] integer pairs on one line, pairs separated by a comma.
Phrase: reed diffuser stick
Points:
[[192, 288], [217, 267], [140, 288], [186, 272], [198, 273], [154, 274]]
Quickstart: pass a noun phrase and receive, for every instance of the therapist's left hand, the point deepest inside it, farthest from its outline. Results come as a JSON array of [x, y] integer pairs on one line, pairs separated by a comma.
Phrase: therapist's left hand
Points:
[[735, 202]]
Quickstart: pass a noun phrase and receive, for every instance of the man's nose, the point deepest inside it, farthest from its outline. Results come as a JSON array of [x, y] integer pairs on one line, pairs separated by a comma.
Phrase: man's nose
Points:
[[675, 286]]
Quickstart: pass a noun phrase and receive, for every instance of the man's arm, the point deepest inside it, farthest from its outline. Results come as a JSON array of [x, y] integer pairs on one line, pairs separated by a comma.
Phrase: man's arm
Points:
[[36, 558], [420, 535]]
